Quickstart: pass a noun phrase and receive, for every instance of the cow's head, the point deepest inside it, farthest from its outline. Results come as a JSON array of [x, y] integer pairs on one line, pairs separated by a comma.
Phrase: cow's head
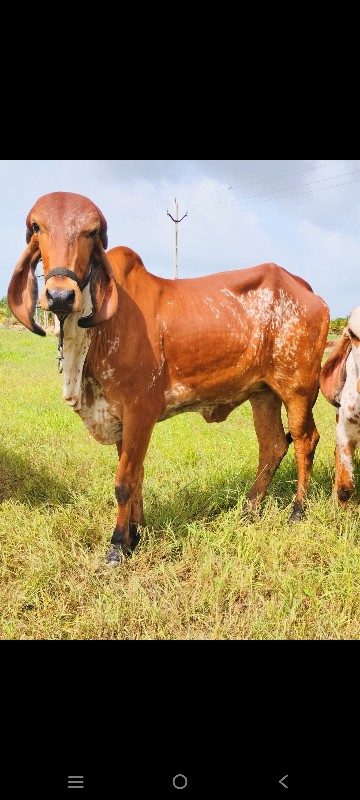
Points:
[[68, 233]]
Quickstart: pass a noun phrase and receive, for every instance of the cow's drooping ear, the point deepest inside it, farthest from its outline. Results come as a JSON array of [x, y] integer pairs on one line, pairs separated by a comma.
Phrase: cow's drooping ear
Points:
[[333, 372], [23, 289], [103, 289], [103, 229]]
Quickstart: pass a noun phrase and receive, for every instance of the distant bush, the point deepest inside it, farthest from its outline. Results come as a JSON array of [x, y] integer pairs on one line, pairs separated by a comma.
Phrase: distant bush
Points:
[[337, 325], [5, 312], [43, 318]]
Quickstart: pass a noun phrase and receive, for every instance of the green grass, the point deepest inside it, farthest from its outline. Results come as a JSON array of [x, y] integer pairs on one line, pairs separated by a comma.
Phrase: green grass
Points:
[[201, 571]]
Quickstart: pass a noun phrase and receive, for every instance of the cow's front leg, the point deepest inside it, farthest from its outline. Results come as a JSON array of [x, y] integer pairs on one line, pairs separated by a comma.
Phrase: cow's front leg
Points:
[[128, 488]]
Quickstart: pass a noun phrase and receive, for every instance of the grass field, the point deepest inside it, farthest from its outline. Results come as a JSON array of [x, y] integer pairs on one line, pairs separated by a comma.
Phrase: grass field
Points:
[[200, 571]]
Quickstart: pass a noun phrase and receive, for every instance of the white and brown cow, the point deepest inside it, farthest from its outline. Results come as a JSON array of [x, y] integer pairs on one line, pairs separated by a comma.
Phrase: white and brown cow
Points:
[[340, 384], [138, 349]]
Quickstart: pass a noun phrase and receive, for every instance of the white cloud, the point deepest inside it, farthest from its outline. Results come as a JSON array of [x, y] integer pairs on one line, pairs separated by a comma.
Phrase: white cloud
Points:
[[283, 211], [329, 246]]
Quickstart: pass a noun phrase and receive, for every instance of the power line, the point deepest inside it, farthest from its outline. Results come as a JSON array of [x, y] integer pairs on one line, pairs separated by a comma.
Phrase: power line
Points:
[[310, 191], [267, 180], [250, 199], [287, 175], [150, 214]]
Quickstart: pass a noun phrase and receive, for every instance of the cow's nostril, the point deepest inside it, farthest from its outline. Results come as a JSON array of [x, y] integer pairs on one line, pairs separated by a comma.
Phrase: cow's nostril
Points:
[[60, 301]]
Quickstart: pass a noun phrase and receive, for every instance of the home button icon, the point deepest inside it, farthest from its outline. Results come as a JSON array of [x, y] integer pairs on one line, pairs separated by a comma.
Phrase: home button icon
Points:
[[179, 781]]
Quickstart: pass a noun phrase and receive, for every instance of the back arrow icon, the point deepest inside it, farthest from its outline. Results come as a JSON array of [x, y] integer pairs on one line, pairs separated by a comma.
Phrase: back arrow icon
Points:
[[282, 781]]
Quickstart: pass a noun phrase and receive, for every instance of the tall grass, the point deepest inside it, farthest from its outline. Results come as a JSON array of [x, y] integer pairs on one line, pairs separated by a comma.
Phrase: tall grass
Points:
[[202, 570]]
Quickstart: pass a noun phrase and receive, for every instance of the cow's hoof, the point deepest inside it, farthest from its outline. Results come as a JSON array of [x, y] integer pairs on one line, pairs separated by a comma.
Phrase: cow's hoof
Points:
[[297, 512], [114, 557], [344, 495]]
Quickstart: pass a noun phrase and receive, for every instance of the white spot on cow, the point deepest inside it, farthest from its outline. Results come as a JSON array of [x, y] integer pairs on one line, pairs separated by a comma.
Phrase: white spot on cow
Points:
[[177, 394], [287, 315], [257, 304], [213, 306], [114, 346], [96, 414], [279, 315], [75, 349], [107, 373]]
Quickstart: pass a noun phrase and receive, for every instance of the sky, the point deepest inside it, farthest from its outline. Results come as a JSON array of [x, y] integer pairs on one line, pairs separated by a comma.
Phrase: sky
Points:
[[303, 215]]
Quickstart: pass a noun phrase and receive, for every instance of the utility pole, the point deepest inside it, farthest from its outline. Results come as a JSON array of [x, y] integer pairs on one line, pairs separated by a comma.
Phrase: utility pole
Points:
[[176, 248]]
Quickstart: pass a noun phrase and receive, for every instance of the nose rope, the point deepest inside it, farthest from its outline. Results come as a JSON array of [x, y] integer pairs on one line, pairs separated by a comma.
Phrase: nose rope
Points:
[[60, 355], [68, 273]]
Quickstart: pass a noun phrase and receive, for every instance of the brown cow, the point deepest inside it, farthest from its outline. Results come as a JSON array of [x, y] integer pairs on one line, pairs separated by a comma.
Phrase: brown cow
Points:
[[138, 349]]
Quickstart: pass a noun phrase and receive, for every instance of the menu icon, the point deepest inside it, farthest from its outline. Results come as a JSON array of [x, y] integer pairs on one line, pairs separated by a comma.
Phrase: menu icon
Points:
[[75, 781]]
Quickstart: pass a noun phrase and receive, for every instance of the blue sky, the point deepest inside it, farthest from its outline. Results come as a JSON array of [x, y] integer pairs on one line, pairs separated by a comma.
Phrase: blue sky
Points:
[[302, 214]]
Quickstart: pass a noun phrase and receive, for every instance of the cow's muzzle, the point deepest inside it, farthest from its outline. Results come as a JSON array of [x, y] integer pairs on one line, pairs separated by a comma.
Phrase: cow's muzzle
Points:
[[64, 301], [60, 301]]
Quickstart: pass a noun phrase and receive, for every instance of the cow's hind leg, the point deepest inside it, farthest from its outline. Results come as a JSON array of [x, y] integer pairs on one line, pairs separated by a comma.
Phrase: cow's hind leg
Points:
[[305, 437], [273, 443]]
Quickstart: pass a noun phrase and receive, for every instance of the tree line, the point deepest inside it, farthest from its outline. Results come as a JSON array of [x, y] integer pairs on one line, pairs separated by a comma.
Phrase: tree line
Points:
[[42, 317]]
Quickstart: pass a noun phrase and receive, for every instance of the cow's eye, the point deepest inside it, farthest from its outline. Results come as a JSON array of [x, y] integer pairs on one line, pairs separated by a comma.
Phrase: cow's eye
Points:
[[35, 227], [92, 234]]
